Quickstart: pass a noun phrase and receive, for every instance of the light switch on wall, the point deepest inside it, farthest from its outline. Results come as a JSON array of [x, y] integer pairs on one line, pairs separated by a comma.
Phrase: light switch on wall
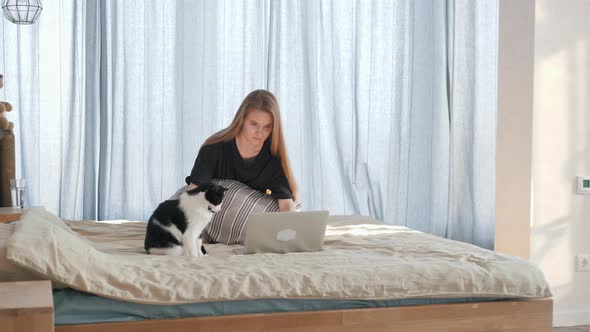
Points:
[[583, 184], [582, 262]]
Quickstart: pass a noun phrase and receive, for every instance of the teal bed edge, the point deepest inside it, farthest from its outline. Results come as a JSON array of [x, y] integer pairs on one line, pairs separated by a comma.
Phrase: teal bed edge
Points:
[[75, 307]]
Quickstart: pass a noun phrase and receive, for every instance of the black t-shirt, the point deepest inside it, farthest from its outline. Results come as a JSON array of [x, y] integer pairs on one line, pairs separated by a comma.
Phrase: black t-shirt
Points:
[[223, 161]]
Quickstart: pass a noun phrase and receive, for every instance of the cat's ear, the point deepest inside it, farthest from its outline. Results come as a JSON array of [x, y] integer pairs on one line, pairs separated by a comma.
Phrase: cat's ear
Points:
[[200, 189], [205, 187], [194, 191]]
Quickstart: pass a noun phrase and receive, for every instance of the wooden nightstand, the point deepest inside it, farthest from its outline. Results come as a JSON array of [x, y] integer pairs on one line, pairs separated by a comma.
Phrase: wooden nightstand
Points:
[[8, 214], [26, 306]]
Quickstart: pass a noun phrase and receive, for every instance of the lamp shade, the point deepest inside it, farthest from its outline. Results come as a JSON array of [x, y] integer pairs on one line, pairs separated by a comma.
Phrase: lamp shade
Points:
[[22, 11]]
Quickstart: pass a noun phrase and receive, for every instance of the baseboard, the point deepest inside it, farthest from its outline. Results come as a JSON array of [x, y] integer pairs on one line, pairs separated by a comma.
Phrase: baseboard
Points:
[[571, 318]]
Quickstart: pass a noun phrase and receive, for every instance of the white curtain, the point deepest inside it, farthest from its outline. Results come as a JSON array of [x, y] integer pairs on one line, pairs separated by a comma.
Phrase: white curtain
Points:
[[389, 106]]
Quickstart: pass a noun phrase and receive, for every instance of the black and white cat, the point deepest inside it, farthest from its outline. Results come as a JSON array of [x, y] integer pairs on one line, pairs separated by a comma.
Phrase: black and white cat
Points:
[[176, 226]]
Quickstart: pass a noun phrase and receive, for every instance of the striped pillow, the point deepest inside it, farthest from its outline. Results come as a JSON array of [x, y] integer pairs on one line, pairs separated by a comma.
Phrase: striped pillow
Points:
[[239, 201]]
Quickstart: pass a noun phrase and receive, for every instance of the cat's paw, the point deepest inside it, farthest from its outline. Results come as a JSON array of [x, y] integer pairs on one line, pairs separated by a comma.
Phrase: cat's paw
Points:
[[189, 253]]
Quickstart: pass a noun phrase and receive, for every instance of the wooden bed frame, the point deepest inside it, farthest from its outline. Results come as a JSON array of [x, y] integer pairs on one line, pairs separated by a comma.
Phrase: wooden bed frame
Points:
[[534, 315]]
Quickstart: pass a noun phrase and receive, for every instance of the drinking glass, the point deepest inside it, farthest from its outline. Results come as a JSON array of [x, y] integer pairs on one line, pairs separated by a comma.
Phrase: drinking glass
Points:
[[17, 192]]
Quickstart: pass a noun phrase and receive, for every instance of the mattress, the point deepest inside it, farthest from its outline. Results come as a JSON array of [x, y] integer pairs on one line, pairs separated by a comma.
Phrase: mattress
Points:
[[75, 307], [362, 260]]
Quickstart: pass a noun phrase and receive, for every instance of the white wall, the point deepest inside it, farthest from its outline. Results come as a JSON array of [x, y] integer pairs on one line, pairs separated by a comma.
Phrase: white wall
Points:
[[561, 150], [516, 38]]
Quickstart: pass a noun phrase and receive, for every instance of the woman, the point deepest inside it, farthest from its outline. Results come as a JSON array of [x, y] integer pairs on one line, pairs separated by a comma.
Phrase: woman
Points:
[[251, 150]]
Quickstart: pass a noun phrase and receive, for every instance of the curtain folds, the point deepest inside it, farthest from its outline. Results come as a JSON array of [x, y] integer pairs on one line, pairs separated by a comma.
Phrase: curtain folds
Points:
[[389, 107]]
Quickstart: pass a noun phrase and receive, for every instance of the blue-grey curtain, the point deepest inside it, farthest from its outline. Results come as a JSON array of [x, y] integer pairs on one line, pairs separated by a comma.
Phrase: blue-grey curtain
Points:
[[389, 106]]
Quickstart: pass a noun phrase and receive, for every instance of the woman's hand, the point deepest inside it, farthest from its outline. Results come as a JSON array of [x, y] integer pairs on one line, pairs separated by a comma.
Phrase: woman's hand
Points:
[[286, 205]]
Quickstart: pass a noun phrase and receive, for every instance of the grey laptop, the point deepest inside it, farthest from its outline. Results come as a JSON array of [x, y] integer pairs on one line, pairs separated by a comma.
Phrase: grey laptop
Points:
[[283, 232]]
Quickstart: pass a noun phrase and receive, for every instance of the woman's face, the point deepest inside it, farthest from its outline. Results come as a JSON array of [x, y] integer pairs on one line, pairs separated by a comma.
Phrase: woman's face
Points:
[[257, 127]]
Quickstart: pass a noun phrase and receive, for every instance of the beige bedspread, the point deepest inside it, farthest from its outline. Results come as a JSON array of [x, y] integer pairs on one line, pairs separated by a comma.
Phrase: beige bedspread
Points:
[[360, 261]]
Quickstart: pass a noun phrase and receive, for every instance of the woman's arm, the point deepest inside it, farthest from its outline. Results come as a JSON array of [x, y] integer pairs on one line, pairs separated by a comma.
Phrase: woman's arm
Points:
[[286, 205], [204, 167]]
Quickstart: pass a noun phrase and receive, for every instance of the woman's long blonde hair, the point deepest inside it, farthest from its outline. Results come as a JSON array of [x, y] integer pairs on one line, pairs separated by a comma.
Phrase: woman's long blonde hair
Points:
[[265, 101]]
